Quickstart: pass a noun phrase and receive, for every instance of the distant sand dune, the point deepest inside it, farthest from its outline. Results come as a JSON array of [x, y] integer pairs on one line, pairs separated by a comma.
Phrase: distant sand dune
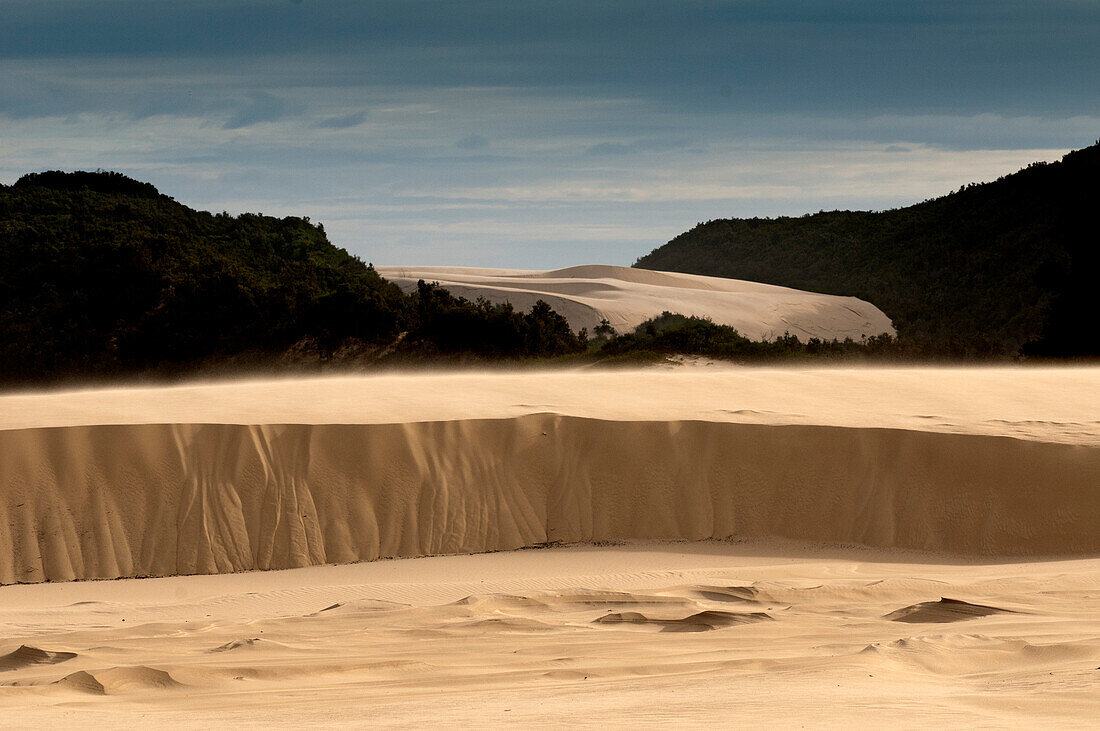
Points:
[[627, 297]]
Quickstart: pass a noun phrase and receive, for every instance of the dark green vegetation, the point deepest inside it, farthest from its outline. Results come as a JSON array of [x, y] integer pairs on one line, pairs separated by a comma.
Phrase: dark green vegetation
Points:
[[1000, 268], [101, 275], [672, 334]]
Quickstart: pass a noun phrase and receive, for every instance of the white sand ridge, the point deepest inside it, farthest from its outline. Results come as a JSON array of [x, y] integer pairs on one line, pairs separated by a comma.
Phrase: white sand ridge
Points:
[[627, 297]]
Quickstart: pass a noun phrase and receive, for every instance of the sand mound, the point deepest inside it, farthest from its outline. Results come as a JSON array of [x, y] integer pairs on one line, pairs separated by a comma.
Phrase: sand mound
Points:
[[698, 622], [506, 624], [622, 618], [26, 655], [747, 595], [595, 598], [708, 620], [627, 297], [500, 602], [118, 680], [82, 682], [945, 610], [241, 644]]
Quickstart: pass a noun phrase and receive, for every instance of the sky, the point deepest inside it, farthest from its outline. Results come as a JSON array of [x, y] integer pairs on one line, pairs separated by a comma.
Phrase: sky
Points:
[[544, 134]]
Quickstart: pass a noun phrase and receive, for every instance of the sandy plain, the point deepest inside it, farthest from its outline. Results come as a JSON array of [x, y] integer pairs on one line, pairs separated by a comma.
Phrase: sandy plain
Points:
[[812, 547], [516, 638]]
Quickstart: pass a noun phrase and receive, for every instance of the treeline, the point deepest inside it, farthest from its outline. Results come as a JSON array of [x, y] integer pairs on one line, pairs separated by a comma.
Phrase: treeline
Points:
[[101, 275], [1008, 267], [673, 334]]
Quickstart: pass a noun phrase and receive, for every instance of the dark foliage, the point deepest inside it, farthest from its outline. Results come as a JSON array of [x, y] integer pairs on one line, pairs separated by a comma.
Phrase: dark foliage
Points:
[[671, 334], [101, 181], [1003, 267], [453, 324], [102, 275]]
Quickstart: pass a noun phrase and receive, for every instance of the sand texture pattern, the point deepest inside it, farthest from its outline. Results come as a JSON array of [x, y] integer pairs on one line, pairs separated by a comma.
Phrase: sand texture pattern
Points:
[[121, 500], [684, 635], [627, 297]]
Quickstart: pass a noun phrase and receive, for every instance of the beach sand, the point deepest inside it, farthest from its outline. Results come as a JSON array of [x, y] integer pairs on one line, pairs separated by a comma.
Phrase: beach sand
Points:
[[766, 633]]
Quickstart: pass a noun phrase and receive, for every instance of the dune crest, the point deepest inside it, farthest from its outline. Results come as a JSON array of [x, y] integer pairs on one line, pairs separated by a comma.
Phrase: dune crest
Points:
[[627, 297]]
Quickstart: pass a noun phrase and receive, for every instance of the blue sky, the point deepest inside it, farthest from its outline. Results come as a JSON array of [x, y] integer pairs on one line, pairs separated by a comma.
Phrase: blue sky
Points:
[[544, 134]]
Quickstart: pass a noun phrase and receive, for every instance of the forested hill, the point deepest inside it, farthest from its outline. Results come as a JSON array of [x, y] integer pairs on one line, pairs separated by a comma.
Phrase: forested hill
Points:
[[1004, 266], [103, 275]]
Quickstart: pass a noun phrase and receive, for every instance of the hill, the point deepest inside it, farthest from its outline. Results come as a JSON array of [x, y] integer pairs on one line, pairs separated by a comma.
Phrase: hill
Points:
[[1001, 267], [101, 274]]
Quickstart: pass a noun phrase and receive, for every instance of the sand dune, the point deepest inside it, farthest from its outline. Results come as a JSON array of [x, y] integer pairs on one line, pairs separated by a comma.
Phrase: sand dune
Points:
[[945, 610], [25, 655], [627, 297], [846, 514], [117, 680], [156, 499]]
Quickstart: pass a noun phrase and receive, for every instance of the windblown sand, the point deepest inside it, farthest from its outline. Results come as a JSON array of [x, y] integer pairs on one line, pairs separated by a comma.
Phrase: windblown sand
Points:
[[817, 546], [627, 297]]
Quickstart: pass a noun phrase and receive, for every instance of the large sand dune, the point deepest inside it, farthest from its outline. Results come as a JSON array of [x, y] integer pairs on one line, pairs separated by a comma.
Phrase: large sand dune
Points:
[[138, 482], [627, 297], [776, 625]]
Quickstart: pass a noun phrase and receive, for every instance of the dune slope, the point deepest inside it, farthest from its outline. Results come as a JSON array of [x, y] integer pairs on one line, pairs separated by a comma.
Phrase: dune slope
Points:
[[627, 297], [160, 481], [139, 500]]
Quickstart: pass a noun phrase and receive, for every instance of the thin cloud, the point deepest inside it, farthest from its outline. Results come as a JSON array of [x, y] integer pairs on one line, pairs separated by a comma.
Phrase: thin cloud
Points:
[[261, 107], [620, 148], [343, 121], [472, 142]]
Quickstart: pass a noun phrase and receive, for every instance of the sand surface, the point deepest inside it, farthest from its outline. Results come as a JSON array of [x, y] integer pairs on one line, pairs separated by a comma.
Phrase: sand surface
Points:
[[684, 634], [282, 474], [627, 297], [1054, 404], [818, 547]]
